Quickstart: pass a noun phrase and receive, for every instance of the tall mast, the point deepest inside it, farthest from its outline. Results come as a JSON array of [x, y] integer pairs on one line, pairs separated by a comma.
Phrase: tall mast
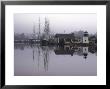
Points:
[[46, 30], [34, 29], [39, 29], [34, 33]]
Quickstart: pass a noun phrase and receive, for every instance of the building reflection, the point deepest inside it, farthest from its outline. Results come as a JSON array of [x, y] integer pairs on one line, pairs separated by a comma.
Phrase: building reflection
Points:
[[75, 50], [41, 53]]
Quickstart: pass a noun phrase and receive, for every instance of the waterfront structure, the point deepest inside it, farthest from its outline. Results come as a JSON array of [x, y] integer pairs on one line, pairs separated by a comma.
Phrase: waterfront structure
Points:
[[93, 40], [71, 39], [77, 40], [64, 39], [85, 37]]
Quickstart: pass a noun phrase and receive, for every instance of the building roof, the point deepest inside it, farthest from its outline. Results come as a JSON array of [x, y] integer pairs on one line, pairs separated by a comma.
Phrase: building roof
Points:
[[85, 32]]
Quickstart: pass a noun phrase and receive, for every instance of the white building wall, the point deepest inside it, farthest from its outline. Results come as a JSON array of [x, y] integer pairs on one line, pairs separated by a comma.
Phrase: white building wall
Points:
[[85, 40]]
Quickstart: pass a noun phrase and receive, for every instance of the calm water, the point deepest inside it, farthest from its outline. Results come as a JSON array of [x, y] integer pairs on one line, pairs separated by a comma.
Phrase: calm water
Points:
[[35, 60]]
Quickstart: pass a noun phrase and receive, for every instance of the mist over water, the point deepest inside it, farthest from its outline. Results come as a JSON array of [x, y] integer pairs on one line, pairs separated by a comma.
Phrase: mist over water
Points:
[[59, 23]]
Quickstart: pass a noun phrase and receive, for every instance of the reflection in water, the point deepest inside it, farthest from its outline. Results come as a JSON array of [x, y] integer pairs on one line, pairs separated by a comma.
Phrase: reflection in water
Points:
[[41, 54]]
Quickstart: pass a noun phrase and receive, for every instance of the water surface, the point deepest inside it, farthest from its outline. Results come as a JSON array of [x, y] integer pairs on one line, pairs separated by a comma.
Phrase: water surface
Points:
[[35, 60]]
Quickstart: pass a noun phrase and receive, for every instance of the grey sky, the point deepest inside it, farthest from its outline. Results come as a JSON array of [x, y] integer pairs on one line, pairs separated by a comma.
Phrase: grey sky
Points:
[[24, 22]]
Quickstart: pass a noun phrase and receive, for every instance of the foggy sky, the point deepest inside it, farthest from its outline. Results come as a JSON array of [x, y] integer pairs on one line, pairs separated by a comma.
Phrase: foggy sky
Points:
[[59, 23]]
